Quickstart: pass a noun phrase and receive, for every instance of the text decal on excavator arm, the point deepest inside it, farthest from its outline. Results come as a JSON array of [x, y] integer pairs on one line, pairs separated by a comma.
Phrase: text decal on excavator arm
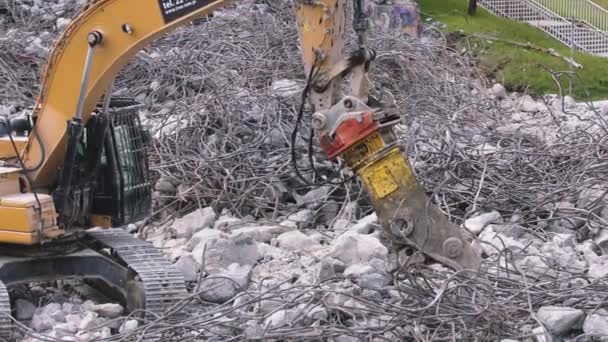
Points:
[[175, 9]]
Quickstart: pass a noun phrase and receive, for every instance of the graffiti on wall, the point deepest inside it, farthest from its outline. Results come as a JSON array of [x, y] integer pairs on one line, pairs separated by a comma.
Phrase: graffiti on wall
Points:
[[401, 15]]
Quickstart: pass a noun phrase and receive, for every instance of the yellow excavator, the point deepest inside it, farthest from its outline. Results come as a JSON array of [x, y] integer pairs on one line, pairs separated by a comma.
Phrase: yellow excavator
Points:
[[80, 161]]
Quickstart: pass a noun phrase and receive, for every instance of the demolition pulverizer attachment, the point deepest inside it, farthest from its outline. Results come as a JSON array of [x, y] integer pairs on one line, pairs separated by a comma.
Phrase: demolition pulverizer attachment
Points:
[[365, 139]]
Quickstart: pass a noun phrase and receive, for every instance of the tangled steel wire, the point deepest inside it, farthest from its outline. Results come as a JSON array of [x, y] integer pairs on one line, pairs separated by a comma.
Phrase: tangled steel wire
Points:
[[476, 156], [424, 304], [223, 132]]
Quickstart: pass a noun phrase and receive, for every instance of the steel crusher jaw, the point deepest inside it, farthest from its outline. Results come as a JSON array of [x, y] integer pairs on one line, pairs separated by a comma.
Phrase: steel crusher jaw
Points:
[[365, 139]]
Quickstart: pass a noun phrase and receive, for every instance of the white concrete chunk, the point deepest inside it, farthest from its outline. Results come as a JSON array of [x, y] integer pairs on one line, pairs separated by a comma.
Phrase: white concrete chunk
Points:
[[560, 320]]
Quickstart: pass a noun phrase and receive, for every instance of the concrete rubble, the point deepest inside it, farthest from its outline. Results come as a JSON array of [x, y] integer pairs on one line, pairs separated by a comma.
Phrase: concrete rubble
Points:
[[596, 324], [477, 223], [233, 264], [76, 320], [561, 320]]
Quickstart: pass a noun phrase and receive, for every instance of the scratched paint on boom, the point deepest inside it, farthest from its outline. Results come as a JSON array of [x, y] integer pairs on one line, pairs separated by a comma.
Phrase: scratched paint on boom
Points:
[[175, 9]]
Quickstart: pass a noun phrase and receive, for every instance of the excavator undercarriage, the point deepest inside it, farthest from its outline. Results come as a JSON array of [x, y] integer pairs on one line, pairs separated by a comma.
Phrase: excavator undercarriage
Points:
[[128, 270]]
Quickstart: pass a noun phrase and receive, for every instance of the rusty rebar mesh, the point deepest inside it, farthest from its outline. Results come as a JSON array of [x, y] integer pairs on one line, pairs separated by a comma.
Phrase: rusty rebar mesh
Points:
[[222, 133]]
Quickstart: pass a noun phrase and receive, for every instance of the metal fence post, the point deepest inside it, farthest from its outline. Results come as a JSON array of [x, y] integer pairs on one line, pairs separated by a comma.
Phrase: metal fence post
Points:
[[571, 55]]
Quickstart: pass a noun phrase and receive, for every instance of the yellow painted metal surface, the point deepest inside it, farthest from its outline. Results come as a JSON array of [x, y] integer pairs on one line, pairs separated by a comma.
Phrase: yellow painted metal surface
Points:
[[387, 174], [101, 221], [321, 27], [25, 200], [17, 219], [18, 238], [382, 170], [9, 181], [61, 79], [6, 148], [19, 214]]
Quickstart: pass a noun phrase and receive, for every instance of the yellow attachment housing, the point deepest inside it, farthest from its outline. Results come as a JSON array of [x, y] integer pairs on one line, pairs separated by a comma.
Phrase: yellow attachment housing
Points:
[[21, 219], [403, 209], [382, 169], [387, 173]]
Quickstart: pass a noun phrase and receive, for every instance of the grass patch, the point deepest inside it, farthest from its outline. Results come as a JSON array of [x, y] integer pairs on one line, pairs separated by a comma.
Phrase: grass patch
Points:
[[603, 3], [515, 67]]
